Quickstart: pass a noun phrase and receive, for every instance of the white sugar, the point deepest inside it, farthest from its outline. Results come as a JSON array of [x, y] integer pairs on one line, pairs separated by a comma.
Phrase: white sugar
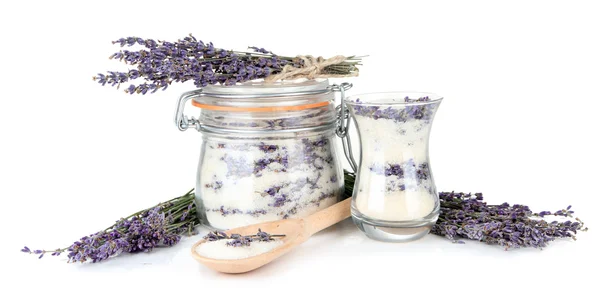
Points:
[[397, 205], [219, 249], [385, 142]]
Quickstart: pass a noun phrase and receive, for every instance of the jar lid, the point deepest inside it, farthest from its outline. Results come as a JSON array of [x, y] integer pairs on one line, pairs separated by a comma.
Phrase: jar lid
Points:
[[256, 96]]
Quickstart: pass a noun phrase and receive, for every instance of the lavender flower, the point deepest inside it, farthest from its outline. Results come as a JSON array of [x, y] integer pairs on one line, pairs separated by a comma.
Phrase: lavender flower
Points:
[[140, 232], [264, 236], [238, 240], [215, 235], [216, 185], [160, 63], [260, 50], [467, 216], [266, 148]]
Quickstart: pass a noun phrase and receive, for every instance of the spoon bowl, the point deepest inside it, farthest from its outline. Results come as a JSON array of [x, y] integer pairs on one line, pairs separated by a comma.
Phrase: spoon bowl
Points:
[[296, 231]]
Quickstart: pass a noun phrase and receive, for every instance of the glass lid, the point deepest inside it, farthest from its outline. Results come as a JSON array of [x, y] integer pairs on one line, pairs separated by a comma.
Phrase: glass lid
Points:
[[260, 96]]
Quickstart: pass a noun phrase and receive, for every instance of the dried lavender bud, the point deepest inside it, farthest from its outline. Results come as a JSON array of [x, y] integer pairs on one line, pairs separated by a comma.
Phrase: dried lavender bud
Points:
[[406, 169], [420, 99], [215, 235], [264, 236], [267, 148], [260, 50], [398, 114], [216, 185], [239, 241]]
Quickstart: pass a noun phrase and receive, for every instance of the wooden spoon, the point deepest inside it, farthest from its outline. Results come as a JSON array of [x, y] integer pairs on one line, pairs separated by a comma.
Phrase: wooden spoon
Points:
[[296, 231]]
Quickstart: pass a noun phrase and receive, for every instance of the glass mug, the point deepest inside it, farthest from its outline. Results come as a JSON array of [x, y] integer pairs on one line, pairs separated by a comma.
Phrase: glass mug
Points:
[[394, 197]]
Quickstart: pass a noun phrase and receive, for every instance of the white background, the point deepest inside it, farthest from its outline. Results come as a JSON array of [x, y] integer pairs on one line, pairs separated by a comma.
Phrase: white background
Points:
[[519, 123]]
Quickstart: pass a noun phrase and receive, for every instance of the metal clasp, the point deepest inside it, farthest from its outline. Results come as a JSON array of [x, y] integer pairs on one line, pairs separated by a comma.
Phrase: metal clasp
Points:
[[343, 123], [182, 121]]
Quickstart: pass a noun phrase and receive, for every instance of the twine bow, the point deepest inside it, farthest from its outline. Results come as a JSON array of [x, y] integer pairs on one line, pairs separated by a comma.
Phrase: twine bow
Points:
[[314, 67]]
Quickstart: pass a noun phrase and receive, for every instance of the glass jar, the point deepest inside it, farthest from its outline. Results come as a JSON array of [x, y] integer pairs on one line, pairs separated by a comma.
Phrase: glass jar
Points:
[[268, 151], [395, 197]]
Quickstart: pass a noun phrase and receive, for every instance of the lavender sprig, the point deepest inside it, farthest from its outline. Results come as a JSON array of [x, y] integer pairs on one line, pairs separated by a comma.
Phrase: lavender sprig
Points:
[[160, 63], [142, 231], [512, 226], [238, 240]]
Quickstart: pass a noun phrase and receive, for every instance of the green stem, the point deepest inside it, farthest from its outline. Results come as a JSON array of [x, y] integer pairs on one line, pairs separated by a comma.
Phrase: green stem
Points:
[[188, 194]]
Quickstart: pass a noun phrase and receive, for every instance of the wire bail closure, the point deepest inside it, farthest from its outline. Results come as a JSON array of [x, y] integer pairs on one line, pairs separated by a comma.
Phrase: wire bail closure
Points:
[[183, 122], [343, 123]]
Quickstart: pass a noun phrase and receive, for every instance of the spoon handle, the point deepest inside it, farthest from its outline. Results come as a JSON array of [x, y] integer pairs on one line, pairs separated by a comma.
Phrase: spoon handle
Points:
[[328, 217]]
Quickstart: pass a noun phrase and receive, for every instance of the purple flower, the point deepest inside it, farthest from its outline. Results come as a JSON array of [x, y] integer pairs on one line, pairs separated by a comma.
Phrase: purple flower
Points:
[[544, 213], [260, 50], [216, 185], [261, 164], [160, 63], [215, 235], [467, 216], [280, 200], [238, 240], [267, 148], [273, 190], [142, 232]]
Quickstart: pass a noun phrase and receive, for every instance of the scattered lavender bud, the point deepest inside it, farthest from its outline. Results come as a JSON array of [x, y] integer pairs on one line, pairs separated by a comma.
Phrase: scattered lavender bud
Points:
[[238, 240], [398, 114]]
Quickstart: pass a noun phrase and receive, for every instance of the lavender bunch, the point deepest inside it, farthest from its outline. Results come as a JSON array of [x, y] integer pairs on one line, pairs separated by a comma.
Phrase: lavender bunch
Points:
[[512, 226], [238, 240], [161, 225], [160, 63]]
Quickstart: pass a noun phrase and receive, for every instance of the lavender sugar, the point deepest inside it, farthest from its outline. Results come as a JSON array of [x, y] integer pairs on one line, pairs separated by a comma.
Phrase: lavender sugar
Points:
[[248, 182], [397, 184], [220, 250], [219, 245]]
